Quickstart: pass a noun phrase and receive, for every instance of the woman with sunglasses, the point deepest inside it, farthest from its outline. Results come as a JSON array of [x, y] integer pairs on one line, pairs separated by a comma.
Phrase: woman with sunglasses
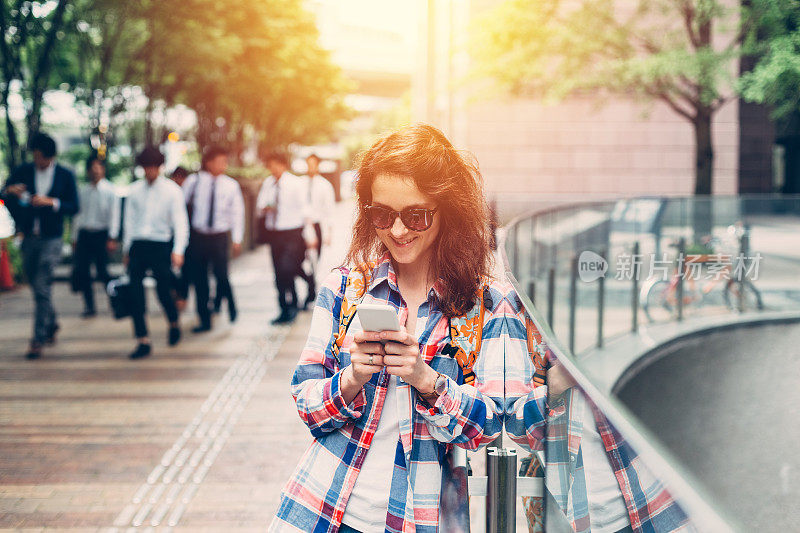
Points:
[[385, 409]]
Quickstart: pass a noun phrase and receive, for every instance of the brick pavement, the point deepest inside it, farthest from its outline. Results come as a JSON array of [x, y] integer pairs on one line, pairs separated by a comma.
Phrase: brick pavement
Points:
[[84, 428]]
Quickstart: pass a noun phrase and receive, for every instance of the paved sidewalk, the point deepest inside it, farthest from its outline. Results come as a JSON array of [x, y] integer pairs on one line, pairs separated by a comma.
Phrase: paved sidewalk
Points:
[[199, 437]]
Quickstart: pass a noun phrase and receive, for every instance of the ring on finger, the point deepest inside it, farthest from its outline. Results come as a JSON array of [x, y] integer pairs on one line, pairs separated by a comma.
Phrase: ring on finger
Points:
[[370, 359]]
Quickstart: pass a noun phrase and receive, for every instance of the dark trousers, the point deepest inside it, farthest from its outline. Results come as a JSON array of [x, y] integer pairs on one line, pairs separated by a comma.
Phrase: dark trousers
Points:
[[152, 256], [288, 249], [90, 248], [211, 250], [39, 257], [181, 280]]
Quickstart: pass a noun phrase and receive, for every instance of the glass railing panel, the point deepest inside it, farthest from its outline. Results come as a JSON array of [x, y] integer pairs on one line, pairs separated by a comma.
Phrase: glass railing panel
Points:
[[723, 260], [569, 439]]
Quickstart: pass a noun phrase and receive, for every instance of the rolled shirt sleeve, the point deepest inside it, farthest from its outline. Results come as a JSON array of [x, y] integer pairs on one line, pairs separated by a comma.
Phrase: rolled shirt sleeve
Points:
[[180, 221], [237, 231], [316, 383]]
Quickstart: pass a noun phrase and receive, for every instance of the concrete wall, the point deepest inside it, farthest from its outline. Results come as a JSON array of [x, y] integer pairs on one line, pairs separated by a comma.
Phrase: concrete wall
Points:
[[580, 146]]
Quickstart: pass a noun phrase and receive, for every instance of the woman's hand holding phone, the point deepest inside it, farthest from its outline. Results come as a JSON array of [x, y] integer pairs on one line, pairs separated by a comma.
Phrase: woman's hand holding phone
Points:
[[366, 358], [403, 359]]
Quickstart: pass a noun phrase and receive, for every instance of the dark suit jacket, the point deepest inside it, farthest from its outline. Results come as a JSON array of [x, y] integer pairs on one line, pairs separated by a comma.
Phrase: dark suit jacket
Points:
[[51, 221]]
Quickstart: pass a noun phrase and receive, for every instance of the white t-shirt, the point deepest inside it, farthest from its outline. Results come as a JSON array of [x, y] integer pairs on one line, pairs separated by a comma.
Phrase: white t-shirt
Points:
[[369, 502], [607, 511]]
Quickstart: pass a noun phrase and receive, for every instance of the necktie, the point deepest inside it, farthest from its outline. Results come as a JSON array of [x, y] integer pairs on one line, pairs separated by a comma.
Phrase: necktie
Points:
[[211, 204]]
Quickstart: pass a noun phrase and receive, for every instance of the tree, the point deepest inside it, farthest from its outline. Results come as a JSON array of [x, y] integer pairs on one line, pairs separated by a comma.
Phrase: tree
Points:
[[29, 32], [683, 53], [776, 44], [253, 72]]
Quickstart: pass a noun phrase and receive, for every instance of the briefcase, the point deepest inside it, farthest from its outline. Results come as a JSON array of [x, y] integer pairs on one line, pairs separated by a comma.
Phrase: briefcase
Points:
[[120, 297]]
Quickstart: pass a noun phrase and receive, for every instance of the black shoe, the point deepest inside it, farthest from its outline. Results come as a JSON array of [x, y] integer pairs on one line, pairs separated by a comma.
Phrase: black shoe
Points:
[[143, 350], [217, 306], [174, 336], [284, 318], [89, 313], [232, 313], [34, 352], [202, 328], [309, 301]]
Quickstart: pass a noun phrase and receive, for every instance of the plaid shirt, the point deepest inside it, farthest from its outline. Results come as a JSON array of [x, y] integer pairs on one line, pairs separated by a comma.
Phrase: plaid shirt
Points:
[[557, 429], [315, 497]]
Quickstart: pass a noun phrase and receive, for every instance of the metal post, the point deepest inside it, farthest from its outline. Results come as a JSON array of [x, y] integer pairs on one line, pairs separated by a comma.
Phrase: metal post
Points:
[[573, 290], [501, 497], [551, 296], [635, 295], [601, 303], [680, 260], [744, 250]]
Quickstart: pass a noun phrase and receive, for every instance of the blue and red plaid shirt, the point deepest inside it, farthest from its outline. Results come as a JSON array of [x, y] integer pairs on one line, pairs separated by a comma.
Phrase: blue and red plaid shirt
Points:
[[315, 497], [557, 428]]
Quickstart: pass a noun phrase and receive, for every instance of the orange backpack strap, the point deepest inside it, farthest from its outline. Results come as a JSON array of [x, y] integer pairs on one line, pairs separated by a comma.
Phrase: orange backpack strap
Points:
[[466, 334], [354, 288], [536, 351]]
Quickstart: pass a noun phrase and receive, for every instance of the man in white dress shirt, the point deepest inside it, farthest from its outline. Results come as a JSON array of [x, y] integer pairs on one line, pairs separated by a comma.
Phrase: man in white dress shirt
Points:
[[90, 230], [283, 201], [216, 208], [156, 234], [321, 200]]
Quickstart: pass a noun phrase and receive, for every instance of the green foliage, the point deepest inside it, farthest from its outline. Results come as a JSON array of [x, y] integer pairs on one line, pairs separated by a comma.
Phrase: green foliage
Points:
[[15, 258], [776, 76], [252, 71], [655, 49]]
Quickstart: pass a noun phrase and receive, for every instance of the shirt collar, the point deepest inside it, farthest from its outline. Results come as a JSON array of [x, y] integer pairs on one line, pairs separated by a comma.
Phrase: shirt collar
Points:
[[155, 183], [383, 271], [49, 169]]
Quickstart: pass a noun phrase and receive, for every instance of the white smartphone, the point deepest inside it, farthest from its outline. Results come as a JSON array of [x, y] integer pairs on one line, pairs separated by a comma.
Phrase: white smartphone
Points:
[[378, 317]]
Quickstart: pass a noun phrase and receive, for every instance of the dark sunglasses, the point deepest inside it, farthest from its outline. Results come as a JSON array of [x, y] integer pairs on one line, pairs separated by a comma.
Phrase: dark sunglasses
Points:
[[414, 218]]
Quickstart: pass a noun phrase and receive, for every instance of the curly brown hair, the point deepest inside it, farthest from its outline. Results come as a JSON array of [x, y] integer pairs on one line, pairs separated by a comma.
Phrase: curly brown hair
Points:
[[462, 255]]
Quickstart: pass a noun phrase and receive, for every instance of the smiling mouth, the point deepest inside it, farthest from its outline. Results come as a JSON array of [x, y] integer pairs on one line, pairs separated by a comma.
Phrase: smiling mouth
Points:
[[403, 244]]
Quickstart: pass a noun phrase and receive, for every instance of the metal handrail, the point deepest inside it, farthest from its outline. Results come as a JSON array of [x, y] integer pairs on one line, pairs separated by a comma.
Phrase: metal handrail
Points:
[[679, 482]]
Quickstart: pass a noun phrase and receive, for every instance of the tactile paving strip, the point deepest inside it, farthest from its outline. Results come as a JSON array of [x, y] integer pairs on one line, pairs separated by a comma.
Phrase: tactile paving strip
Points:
[[162, 499]]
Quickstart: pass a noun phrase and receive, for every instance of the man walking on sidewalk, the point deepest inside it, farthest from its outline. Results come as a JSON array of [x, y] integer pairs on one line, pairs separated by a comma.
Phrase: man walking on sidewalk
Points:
[[90, 230], [39, 196], [321, 203], [155, 214], [216, 207], [283, 201]]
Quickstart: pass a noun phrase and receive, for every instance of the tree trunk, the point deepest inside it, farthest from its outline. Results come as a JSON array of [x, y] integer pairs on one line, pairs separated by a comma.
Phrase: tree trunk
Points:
[[41, 76], [703, 215], [13, 157]]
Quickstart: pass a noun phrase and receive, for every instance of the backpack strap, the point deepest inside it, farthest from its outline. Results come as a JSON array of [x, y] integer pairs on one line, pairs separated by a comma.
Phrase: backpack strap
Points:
[[536, 350], [353, 289], [466, 334]]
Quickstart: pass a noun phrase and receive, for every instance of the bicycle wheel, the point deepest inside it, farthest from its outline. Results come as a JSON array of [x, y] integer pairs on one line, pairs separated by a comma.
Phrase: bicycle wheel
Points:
[[656, 302], [752, 296]]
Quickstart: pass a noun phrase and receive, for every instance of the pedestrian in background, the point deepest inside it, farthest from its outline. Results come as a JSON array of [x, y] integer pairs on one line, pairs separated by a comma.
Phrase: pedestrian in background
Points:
[[39, 196], [282, 200], [320, 200], [180, 280], [90, 231], [216, 207], [156, 234]]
